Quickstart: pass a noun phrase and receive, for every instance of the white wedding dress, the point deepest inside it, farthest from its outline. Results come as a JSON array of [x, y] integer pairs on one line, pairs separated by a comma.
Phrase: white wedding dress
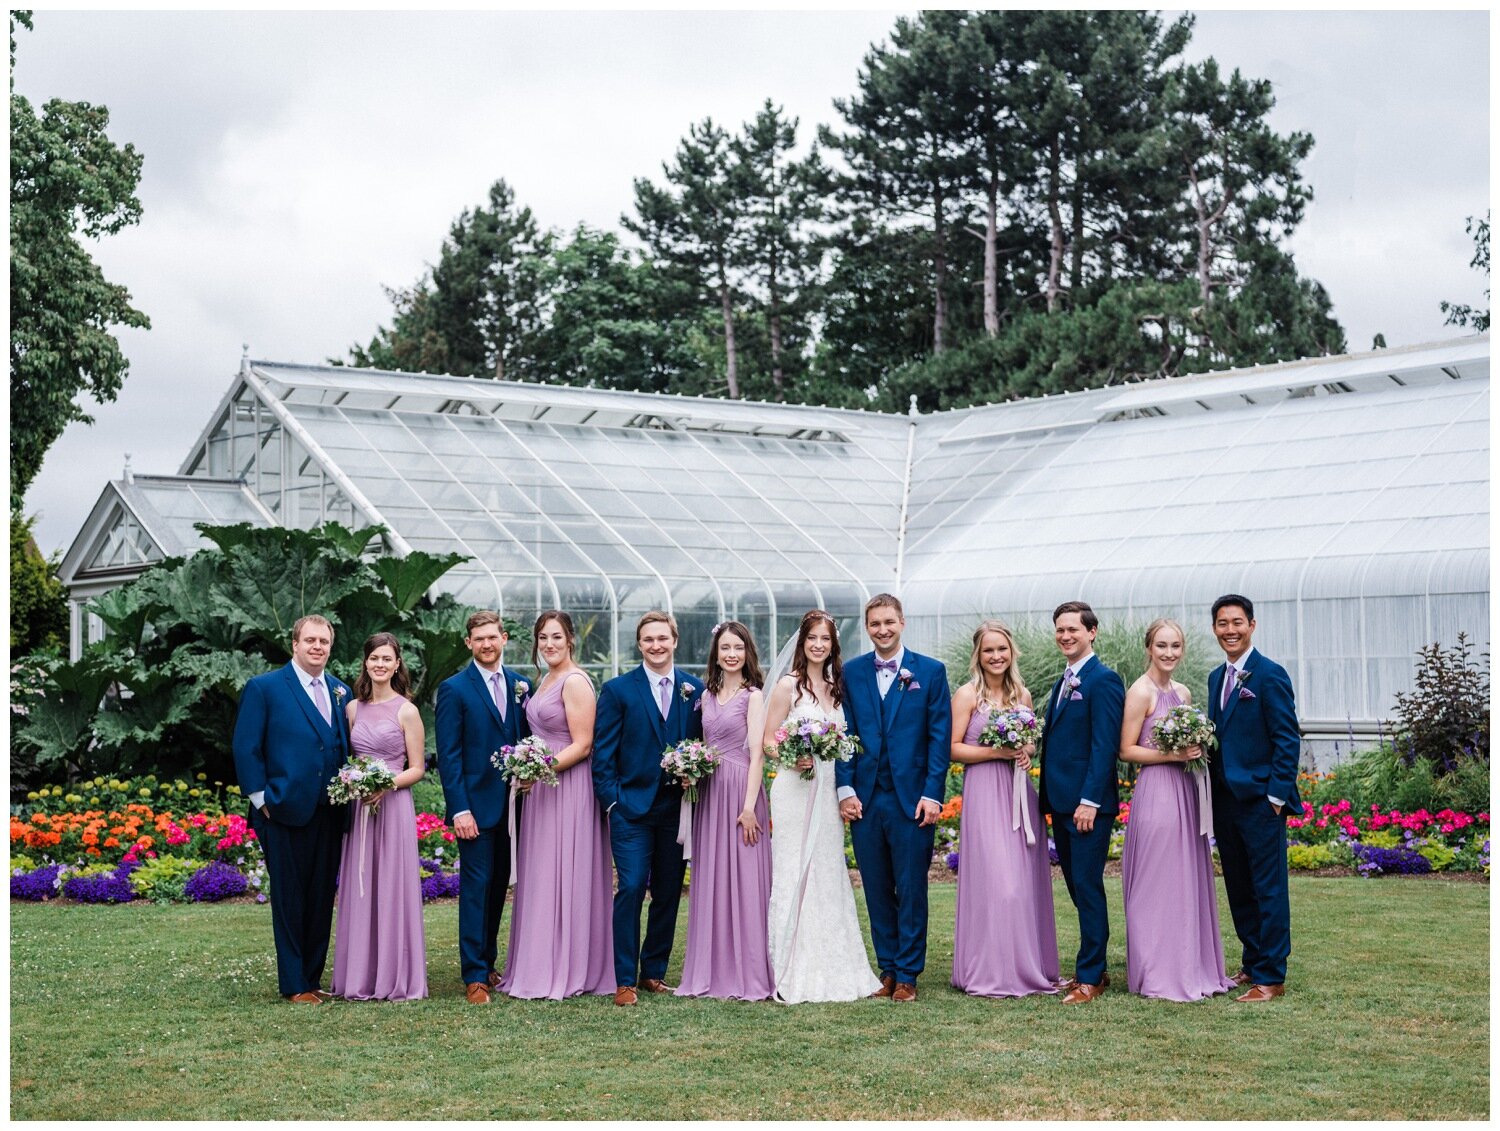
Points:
[[817, 950]]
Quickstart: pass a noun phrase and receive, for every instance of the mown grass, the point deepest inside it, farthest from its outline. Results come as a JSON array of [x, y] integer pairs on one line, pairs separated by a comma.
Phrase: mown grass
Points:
[[144, 1012]]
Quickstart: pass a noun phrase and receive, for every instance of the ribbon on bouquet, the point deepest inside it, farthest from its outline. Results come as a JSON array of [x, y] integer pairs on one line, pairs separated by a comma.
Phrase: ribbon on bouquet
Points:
[[1205, 808], [1020, 812], [364, 823], [510, 828], [685, 827]]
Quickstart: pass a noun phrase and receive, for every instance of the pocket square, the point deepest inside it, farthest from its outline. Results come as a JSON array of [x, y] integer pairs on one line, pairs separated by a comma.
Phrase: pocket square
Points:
[[1246, 693], [914, 686], [1076, 695]]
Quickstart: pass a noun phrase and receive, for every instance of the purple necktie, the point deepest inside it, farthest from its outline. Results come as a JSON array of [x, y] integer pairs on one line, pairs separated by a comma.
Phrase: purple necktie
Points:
[[1228, 683], [664, 694], [1062, 692], [498, 694], [320, 697]]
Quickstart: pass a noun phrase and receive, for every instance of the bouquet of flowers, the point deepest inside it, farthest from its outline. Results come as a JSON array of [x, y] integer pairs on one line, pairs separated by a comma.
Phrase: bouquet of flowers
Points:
[[823, 740], [1013, 729], [692, 759], [527, 760], [358, 778], [1182, 727]]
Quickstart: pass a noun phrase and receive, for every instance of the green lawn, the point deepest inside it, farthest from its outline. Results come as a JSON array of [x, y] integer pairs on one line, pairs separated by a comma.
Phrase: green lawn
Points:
[[144, 1012]]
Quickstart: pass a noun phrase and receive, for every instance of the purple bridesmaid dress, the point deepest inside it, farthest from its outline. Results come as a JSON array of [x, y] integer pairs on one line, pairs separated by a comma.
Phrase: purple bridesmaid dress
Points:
[[380, 951], [1172, 945], [727, 938], [560, 934], [1004, 935]]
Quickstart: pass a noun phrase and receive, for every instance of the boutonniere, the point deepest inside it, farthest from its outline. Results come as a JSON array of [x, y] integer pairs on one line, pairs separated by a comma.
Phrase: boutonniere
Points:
[[685, 689], [339, 693], [908, 682], [1071, 686], [523, 689]]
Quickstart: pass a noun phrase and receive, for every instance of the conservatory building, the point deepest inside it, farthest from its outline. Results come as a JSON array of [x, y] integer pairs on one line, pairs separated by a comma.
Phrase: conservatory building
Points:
[[1347, 496]]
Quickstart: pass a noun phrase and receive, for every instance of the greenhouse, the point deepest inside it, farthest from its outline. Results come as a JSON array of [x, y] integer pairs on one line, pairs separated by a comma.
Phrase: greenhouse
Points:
[[1347, 496]]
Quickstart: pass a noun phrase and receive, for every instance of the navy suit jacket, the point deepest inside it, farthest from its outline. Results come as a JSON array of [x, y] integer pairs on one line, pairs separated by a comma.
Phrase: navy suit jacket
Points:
[[630, 736], [1260, 743], [283, 747], [469, 731], [1081, 740], [911, 728]]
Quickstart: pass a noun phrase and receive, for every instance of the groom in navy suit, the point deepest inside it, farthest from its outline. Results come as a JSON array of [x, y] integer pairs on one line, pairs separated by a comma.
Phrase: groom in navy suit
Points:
[[290, 738], [1080, 743], [896, 702], [1254, 779], [479, 710], [639, 715]]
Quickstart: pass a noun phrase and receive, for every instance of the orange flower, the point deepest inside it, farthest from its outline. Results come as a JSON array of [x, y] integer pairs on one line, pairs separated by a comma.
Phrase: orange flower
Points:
[[92, 851], [146, 842], [91, 838], [111, 842]]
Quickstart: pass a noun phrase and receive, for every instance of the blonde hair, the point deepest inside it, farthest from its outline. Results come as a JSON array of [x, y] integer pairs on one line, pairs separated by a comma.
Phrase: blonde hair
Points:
[[655, 616], [1164, 622], [1011, 687]]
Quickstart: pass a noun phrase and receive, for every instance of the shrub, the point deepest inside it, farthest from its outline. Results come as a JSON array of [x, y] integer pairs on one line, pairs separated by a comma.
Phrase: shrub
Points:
[[1445, 719], [161, 879], [1300, 857], [1438, 855], [427, 794]]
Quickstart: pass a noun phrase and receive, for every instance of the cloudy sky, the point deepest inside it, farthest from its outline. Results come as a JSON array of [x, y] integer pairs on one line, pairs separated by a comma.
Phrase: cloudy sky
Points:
[[295, 164]]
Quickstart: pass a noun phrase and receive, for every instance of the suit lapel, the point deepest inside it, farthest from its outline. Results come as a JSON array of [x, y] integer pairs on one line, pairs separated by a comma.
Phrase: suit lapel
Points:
[[482, 688], [653, 708], [1234, 695], [891, 704], [305, 700], [1053, 701]]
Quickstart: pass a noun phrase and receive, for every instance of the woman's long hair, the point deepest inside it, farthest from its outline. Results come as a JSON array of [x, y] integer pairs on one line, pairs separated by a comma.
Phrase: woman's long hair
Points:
[[751, 671], [564, 622], [364, 686], [1011, 687], [833, 667]]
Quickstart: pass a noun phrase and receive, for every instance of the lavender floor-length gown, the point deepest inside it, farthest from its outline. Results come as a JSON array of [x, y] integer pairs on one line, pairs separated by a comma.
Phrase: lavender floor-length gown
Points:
[[560, 926], [1173, 948], [380, 950], [727, 943], [1004, 935]]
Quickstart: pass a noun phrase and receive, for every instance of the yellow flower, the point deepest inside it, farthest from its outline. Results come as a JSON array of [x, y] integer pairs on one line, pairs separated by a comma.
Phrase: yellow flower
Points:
[[98, 781], [144, 792], [234, 789], [57, 791], [202, 777], [31, 796]]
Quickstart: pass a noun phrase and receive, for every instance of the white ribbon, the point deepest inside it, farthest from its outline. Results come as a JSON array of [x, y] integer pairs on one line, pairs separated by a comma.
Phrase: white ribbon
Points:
[[1020, 812], [510, 828], [685, 827], [1205, 808], [364, 821]]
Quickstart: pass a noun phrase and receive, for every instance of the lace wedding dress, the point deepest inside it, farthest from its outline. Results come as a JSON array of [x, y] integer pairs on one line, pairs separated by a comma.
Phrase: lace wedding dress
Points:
[[817, 950]]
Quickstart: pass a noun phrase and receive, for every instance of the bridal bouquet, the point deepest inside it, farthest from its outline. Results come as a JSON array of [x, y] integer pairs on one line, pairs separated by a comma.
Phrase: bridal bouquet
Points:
[[1013, 729], [527, 760], [823, 740], [358, 778], [692, 759], [1182, 727]]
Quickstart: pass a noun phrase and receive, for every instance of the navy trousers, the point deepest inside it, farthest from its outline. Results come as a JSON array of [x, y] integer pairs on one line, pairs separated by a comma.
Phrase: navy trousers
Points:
[[483, 876], [1251, 837], [302, 863], [647, 858], [893, 853], [1082, 857]]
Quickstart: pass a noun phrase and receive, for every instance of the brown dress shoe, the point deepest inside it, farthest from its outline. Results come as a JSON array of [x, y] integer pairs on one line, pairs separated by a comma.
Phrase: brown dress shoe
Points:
[[625, 995], [492, 979], [904, 991], [323, 995], [887, 986], [656, 986], [477, 993], [1258, 992], [1240, 978], [306, 997], [1083, 993]]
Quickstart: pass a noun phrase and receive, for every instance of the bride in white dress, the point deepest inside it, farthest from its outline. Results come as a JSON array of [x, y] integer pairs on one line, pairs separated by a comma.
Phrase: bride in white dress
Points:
[[817, 950]]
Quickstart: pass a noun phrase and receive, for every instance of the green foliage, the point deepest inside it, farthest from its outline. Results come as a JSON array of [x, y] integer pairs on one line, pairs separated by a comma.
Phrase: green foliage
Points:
[[1439, 856], [1381, 775], [1305, 857], [162, 878], [67, 180], [38, 601], [1445, 719], [427, 794], [195, 793], [1462, 314], [160, 691]]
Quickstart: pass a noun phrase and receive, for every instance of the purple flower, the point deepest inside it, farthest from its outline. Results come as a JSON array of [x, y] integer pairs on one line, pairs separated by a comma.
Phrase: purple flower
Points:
[[1376, 861], [38, 885], [214, 882], [1052, 857], [439, 886], [952, 861], [106, 888]]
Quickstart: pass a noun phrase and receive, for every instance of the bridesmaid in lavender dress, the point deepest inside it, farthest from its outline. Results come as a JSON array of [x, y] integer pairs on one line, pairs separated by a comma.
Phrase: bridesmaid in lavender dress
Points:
[[1172, 945], [560, 932], [1004, 937], [727, 941], [380, 951]]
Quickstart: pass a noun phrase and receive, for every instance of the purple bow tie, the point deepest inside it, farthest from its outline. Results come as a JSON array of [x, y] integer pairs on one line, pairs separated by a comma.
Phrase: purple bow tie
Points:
[[885, 665]]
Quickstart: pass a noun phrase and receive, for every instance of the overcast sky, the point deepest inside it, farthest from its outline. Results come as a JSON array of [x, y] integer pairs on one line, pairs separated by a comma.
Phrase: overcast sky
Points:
[[295, 164]]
